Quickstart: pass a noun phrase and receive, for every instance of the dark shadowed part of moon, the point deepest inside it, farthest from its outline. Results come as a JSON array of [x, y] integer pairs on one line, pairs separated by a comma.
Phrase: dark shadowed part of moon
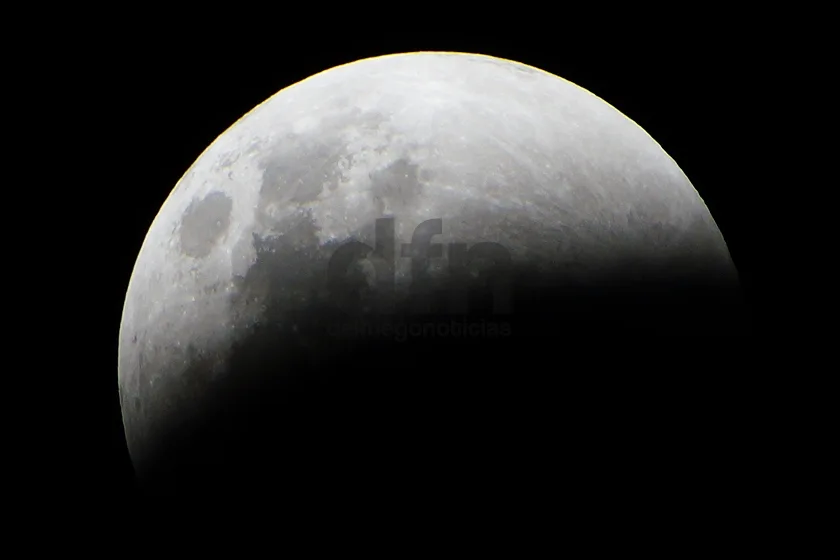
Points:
[[204, 223]]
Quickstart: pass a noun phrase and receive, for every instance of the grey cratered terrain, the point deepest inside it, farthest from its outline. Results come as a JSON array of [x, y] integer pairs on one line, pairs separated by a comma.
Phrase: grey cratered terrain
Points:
[[230, 298]]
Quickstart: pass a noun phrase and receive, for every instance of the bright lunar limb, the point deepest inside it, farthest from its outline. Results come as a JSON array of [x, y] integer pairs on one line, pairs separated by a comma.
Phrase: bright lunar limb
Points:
[[231, 293]]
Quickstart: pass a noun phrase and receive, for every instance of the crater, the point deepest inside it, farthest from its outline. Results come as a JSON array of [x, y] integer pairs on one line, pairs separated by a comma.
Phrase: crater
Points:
[[205, 222]]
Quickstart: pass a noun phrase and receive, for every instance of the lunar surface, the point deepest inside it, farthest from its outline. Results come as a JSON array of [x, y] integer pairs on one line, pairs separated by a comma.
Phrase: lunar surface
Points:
[[339, 256]]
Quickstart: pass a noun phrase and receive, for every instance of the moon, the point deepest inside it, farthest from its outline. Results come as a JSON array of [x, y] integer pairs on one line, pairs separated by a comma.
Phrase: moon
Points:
[[236, 314]]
